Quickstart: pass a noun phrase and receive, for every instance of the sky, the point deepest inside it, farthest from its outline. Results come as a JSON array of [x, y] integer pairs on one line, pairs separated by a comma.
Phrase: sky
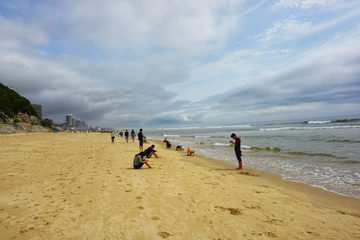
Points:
[[162, 63]]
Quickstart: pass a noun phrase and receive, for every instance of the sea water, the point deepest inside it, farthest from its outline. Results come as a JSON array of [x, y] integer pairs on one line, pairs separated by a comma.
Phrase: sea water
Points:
[[321, 153]]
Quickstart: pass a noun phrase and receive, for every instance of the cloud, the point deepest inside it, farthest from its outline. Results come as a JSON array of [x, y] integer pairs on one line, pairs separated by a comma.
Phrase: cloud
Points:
[[140, 63], [326, 75], [187, 27], [303, 4], [286, 29]]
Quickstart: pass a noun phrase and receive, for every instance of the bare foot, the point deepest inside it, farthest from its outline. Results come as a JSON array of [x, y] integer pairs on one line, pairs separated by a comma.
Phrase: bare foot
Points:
[[240, 169], [151, 167]]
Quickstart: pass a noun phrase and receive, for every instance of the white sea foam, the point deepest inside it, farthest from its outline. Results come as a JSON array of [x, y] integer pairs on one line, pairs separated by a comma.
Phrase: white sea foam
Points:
[[318, 122], [221, 144], [169, 135], [306, 128]]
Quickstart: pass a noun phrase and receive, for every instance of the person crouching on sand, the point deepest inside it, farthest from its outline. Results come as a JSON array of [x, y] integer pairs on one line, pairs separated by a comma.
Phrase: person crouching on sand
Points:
[[190, 151], [179, 147], [151, 151], [139, 161], [237, 149]]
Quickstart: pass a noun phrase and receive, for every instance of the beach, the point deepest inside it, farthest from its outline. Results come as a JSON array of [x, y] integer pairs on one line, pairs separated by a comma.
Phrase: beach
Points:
[[81, 186]]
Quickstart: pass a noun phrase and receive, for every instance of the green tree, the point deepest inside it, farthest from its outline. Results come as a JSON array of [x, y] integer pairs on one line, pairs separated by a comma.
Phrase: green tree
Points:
[[11, 102]]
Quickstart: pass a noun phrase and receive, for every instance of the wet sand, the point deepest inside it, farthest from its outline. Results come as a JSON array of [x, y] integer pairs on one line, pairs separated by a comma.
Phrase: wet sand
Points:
[[81, 186]]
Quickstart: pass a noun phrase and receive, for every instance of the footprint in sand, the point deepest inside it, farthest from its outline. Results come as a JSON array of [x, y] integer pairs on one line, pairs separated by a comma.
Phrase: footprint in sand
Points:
[[164, 234]]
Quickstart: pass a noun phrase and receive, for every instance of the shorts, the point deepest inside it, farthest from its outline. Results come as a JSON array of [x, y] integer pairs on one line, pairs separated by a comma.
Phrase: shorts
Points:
[[141, 143], [238, 155], [138, 166], [127, 138]]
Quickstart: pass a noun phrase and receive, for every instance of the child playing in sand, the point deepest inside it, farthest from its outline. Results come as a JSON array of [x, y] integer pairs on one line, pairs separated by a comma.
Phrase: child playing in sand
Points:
[[179, 147], [190, 151], [237, 149], [139, 161]]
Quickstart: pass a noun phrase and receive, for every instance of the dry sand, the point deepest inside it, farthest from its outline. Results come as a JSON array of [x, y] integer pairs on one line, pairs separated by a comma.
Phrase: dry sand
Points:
[[81, 186]]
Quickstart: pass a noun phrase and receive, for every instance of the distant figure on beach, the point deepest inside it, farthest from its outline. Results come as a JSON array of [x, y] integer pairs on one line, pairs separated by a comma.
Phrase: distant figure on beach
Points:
[[145, 140], [179, 147], [133, 135], [237, 149], [190, 151], [126, 135], [112, 134], [151, 151], [139, 161], [168, 144], [140, 138]]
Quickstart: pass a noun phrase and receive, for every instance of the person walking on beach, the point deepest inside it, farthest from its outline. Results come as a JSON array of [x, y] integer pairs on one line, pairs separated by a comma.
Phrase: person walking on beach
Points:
[[133, 135], [141, 143], [112, 134], [139, 161], [126, 135], [237, 149], [151, 151]]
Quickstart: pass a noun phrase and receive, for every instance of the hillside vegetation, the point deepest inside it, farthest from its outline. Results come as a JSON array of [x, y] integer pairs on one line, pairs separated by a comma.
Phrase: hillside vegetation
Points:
[[11, 102]]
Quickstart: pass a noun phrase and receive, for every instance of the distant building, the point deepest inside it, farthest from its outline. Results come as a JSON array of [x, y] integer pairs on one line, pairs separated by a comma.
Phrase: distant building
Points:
[[38, 109], [75, 123], [68, 120]]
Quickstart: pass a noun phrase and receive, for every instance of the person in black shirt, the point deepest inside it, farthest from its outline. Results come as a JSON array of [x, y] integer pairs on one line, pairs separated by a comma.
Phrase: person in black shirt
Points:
[[140, 138], [127, 135]]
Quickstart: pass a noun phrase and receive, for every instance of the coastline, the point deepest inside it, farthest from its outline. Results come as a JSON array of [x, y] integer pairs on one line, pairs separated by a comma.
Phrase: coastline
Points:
[[302, 191], [81, 186]]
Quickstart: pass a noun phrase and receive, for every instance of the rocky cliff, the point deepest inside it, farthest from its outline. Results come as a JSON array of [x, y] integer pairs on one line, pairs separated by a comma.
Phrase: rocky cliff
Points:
[[21, 124]]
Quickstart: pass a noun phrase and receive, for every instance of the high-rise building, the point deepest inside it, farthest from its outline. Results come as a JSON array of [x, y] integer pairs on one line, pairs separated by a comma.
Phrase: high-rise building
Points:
[[68, 119], [38, 109]]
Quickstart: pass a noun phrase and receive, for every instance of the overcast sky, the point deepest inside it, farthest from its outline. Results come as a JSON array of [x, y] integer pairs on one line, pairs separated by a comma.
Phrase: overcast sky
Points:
[[160, 63]]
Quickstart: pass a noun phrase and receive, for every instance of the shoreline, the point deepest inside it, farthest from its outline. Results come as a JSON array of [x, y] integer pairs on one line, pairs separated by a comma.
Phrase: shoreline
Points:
[[82, 186], [315, 195]]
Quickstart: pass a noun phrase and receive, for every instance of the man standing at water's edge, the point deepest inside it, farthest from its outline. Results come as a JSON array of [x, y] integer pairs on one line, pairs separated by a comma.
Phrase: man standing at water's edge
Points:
[[237, 149]]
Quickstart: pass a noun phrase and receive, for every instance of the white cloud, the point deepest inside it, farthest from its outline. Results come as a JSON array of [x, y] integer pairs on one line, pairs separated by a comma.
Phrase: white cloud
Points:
[[303, 4], [15, 33], [286, 29]]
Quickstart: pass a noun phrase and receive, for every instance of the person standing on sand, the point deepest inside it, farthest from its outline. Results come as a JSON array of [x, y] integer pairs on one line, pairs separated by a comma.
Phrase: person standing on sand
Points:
[[141, 143], [133, 135], [127, 135], [112, 134], [237, 149], [139, 161]]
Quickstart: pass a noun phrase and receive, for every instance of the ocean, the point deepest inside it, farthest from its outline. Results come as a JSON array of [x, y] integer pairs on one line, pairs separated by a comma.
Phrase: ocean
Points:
[[320, 153]]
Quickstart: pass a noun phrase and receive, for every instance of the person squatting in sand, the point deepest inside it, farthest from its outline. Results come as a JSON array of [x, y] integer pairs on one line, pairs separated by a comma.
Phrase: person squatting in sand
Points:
[[139, 161], [112, 134], [190, 151], [237, 149], [151, 151], [179, 147], [167, 143]]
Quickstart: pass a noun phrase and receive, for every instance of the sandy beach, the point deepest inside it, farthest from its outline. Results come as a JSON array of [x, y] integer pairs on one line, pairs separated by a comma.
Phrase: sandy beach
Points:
[[81, 186]]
